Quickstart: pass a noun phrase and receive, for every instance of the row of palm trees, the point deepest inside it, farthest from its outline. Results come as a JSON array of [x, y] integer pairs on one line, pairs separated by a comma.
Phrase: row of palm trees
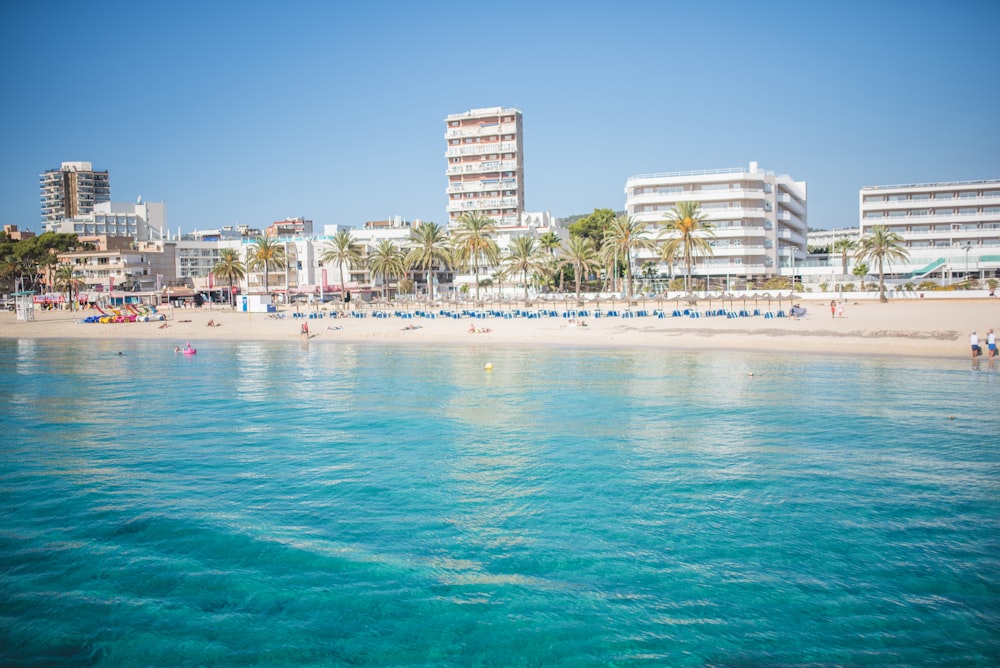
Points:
[[684, 236], [472, 246]]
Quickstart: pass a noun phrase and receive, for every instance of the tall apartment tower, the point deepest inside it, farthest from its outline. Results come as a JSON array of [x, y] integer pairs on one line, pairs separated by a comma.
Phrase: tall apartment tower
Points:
[[486, 165], [72, 190]]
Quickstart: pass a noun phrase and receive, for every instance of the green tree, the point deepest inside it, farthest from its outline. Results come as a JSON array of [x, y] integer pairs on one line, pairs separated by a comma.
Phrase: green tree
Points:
[[428, 248], [594, 226], [686, 234], [229, 268], [525, 255], [844, 245], [387, 261], [340, 250], [882, 246], [579, 253], [265, 253], [474, 243]]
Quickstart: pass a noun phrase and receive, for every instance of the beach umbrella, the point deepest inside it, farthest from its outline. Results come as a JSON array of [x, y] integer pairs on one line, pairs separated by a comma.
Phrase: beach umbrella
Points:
[[768, 297]]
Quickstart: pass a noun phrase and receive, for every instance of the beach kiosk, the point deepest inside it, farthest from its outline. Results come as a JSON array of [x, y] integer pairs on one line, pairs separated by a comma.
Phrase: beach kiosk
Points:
[[255, 304]]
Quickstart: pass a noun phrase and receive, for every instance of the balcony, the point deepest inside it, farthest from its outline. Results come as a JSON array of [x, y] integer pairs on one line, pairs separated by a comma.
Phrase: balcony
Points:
[[480, 130], [480, 149]]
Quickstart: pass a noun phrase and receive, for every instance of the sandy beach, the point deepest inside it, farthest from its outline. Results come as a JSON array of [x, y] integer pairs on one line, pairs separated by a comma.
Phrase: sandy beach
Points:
[[921, 328]]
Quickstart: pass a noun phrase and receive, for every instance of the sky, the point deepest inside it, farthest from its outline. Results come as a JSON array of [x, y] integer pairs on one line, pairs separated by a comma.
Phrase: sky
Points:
[[252, 112]]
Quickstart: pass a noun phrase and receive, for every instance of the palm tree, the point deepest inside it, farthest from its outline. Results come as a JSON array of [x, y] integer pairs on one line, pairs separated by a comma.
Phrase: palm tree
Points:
[[387, 261], [473, 242], [524, 255], [47, 265], [267, 253], [882, 246], [579, 252], [67, 279], [11, 267], [230, 268], [549, 242], [340, 250], [687, 234], [624, 234], [844, 245], [861, 270], [428, 247]]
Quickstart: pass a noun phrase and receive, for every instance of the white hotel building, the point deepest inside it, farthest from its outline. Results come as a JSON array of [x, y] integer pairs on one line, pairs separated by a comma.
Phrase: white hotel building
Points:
[[950, 229], [759, 220], [486, 165]]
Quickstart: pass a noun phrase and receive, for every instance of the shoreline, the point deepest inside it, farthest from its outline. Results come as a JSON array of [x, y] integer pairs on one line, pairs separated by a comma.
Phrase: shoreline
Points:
[[927, 329]]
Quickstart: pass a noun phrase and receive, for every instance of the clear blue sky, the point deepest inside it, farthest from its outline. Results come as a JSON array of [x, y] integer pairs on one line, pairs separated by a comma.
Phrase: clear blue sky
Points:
[[249, 112]]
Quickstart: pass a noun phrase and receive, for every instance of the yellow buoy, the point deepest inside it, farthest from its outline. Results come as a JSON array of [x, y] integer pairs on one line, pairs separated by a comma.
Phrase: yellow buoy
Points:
[[489, 366]]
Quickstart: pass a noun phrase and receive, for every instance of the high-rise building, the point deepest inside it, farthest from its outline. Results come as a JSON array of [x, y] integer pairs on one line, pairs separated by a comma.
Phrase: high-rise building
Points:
[[758, 218], [72, 191], [486, 164]]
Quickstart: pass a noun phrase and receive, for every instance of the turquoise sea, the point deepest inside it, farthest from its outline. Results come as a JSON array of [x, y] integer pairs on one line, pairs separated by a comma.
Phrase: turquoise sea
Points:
[[361, 505]]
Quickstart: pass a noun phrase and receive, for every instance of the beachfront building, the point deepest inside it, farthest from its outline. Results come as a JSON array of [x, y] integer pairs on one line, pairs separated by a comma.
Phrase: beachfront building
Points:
[[122, 264], [759, 220], [71, 191], [290, 227], [950, 229], [14, 234], [485, 172], [142, 221]]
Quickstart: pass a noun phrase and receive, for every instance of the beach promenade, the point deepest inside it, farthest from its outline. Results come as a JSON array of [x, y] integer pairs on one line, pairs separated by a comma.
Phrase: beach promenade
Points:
[[911, 327]]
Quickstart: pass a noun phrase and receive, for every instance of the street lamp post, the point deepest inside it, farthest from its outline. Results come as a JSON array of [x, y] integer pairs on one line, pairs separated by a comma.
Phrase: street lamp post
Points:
[[968, 247]]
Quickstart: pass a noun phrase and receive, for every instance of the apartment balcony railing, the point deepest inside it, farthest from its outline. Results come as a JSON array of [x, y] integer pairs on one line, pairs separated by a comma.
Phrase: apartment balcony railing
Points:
[[480, 149], [482, 167], [480, 130]]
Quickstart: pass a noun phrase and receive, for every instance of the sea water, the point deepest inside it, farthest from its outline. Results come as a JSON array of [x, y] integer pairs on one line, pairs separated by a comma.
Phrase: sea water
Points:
[[363, 505]]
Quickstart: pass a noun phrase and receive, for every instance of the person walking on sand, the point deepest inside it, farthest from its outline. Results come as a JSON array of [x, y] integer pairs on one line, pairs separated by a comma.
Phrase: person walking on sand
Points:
[[833, 309], [840, 309], [305, 330]]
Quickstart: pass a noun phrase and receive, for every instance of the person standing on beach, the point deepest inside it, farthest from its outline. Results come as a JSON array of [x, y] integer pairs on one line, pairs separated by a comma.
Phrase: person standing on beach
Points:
[[991, 343], [974, 343], [833, 309], [305, 330], [840, 309]]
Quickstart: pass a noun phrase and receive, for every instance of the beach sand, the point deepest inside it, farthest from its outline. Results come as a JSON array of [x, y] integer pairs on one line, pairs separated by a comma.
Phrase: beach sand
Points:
[[932, 328]]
